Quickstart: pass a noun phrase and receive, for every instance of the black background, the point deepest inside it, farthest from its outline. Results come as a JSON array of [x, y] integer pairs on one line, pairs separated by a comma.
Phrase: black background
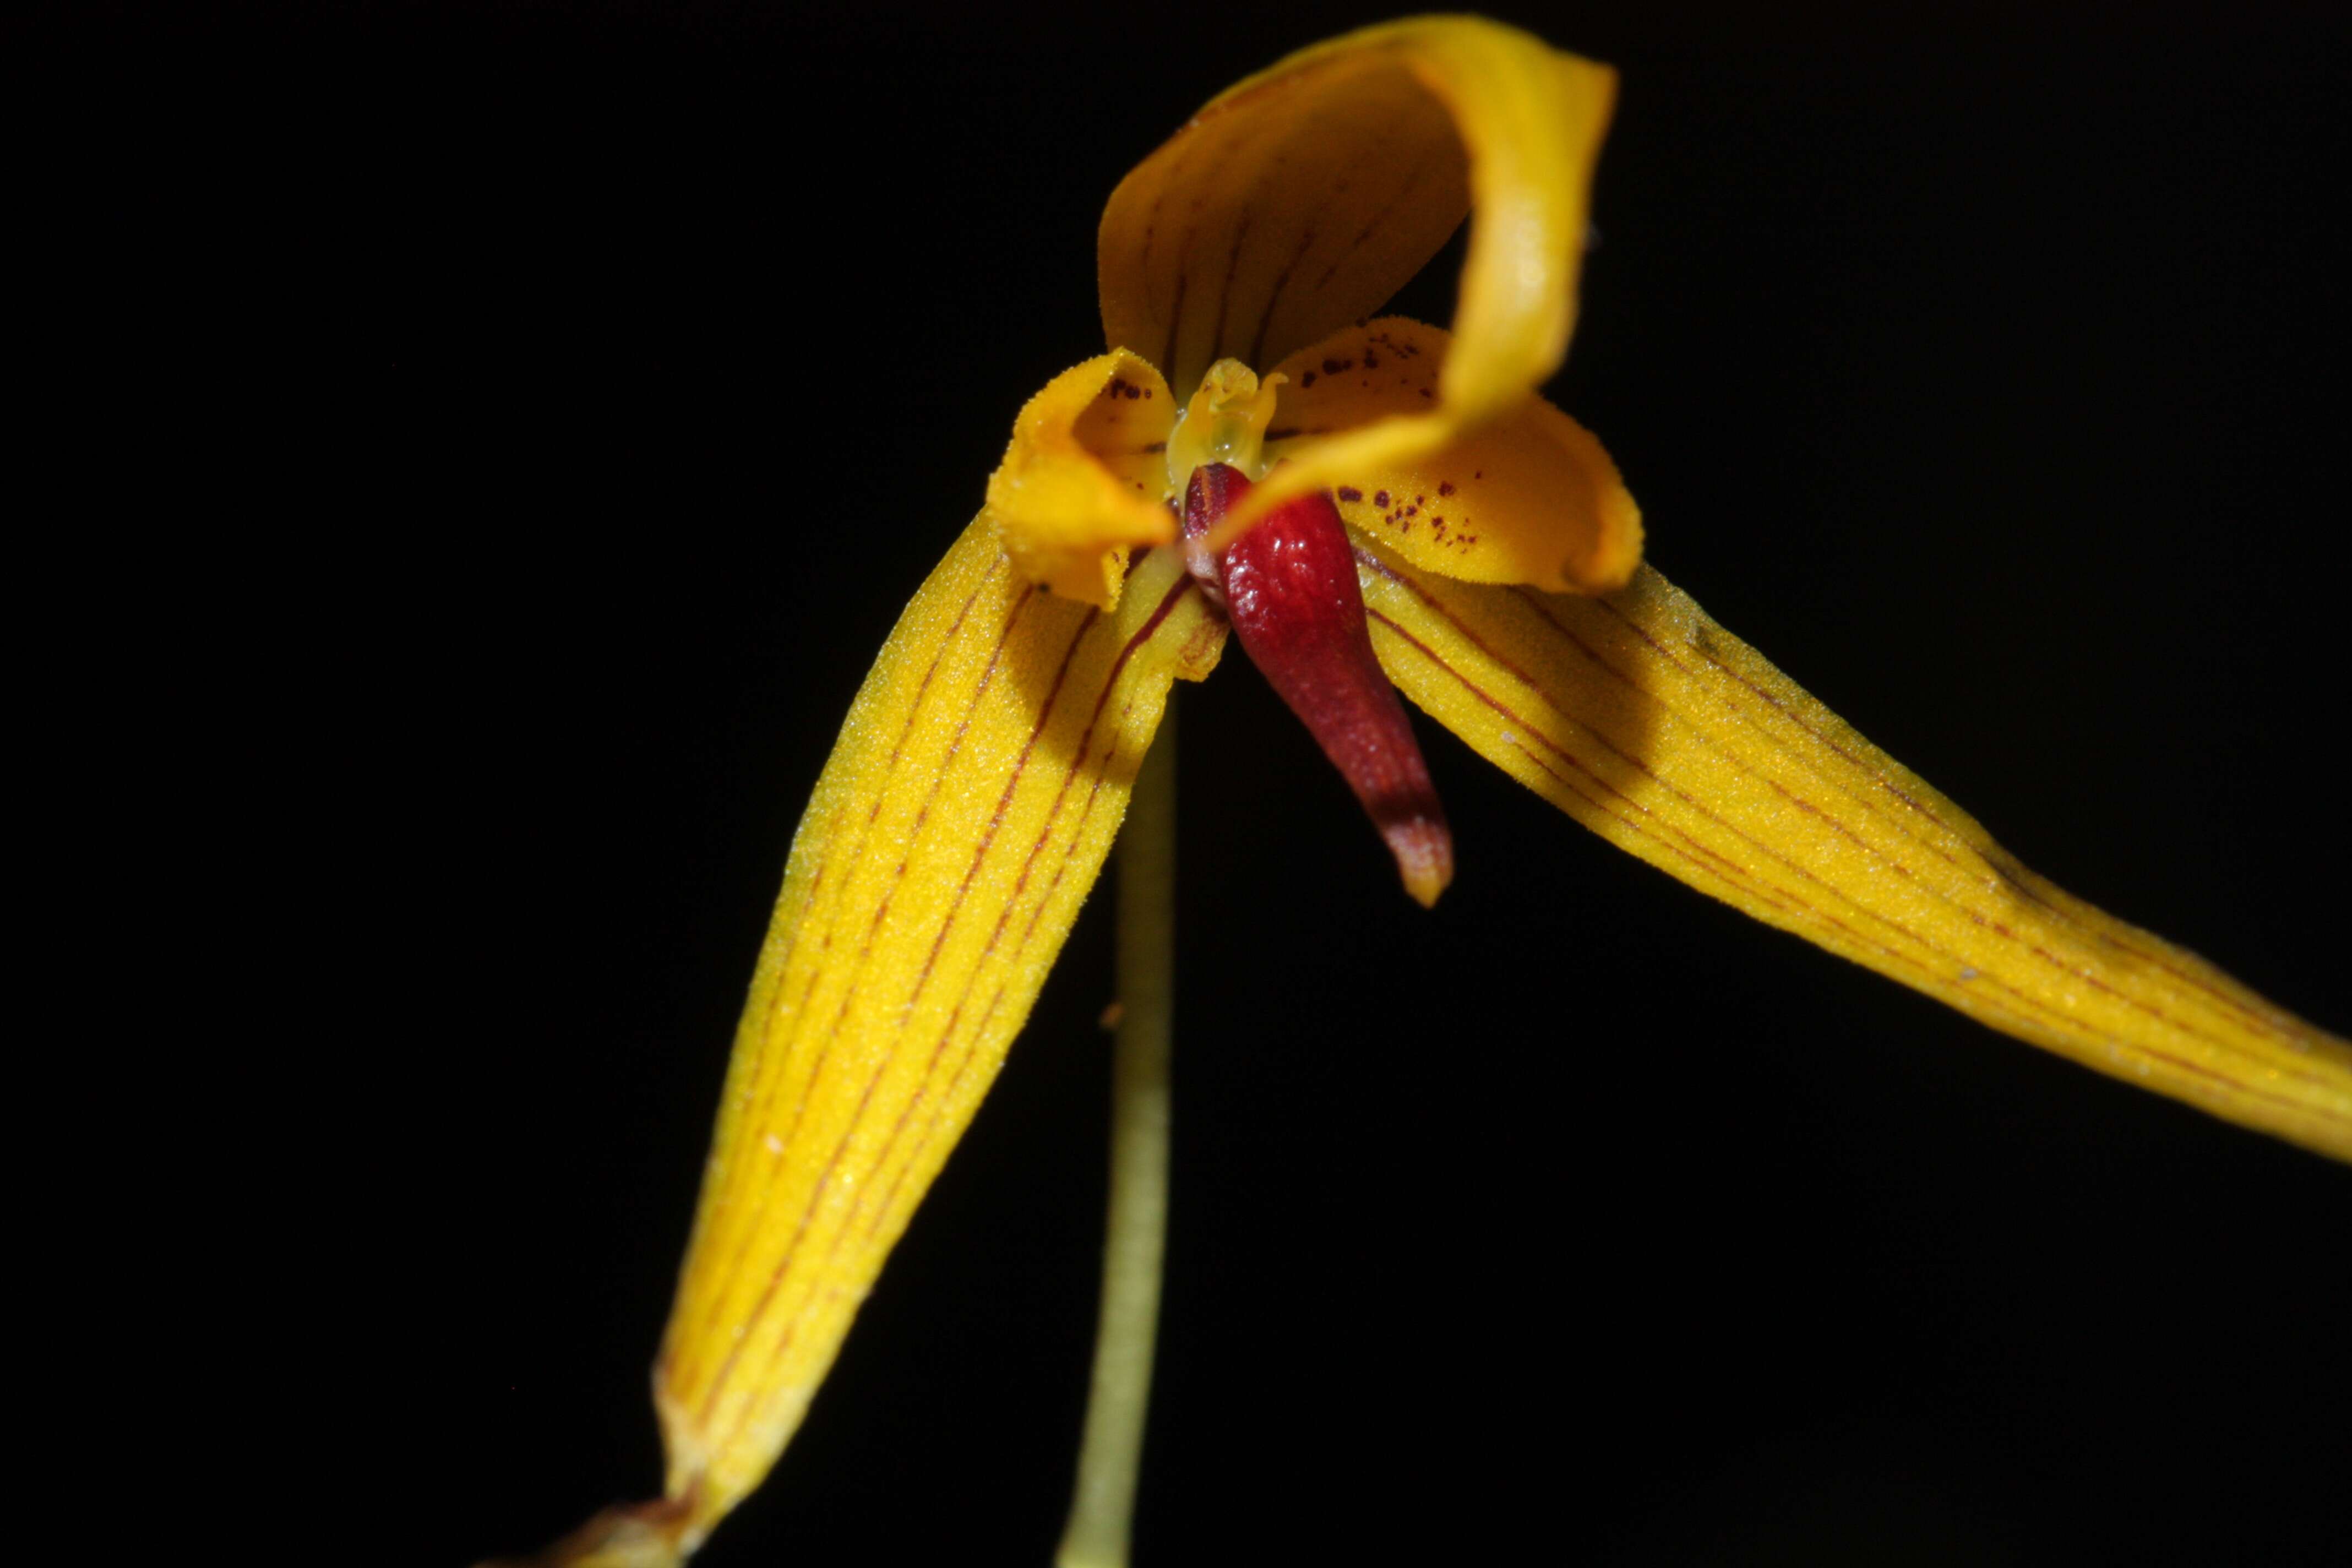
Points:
[[581, 390]]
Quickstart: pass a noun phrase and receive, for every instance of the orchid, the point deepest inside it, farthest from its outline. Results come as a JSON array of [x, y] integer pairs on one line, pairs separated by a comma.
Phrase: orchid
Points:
[[1255, 414]]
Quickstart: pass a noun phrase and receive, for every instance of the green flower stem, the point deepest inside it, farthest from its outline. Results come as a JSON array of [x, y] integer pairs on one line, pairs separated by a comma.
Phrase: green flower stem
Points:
[[1103, 1506]]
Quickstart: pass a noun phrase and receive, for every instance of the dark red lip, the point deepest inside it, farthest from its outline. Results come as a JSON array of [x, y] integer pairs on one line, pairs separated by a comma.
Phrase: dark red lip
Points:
[[1288, 587]]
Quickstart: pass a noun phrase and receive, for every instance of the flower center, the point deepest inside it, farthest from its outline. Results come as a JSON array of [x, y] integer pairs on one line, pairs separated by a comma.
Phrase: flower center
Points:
[[1224, 422]]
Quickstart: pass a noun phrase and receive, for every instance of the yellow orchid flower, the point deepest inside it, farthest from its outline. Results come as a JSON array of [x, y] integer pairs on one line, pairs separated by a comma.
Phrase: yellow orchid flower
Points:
[[1249, 389]]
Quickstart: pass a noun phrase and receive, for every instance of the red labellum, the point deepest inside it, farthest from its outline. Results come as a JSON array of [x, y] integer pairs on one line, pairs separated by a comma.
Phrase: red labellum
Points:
[[1288, 586]]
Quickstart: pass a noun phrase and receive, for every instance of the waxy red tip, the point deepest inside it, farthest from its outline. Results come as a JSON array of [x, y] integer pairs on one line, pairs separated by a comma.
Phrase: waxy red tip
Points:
[[1288, 586]]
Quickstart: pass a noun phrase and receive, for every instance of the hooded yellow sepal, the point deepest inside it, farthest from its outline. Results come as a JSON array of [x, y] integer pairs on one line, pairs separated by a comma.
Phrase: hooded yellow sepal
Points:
[[1302, 199], [1083, 479], [1298, 201]]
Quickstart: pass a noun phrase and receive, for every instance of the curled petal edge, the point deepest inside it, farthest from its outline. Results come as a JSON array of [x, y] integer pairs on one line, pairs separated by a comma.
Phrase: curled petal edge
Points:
[[1083, 481], [1238, 238], [1532, 497]]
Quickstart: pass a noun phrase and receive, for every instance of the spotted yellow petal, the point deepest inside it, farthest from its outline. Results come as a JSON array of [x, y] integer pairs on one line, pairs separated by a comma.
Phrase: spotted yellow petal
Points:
[[966, 810], [1528, 497], [1084, 480], [1302, 199], [1654, 727]]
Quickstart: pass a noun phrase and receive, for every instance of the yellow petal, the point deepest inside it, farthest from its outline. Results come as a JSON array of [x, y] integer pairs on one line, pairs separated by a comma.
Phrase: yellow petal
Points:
[[1083, 479], [965, 812], [1302, 199], [1657, 729], [1530, 497]]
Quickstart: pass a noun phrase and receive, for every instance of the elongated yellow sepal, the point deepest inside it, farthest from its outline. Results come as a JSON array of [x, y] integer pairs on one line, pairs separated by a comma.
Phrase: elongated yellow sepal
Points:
[[1654, 727], [966, 810]]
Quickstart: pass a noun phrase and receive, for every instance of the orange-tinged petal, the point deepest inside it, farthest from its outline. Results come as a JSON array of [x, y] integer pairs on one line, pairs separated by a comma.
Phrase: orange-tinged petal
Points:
[[1530, 497], [1303, 198], [966, 810], [1292, 205], [1083, 479], [1654, 727]]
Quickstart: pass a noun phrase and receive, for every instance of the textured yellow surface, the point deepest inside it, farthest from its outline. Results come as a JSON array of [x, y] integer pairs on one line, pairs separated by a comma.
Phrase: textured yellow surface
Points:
[[1661, 731], [966, 810], [1082, 480], [1528, 497]]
